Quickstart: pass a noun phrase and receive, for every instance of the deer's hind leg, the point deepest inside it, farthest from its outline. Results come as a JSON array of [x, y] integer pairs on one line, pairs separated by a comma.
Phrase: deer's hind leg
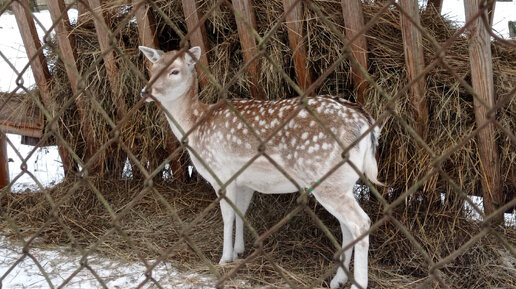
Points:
[[338, 199], [243, 200]]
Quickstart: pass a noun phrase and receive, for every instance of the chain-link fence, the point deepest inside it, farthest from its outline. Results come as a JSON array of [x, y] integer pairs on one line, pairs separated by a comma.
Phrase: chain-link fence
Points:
[[278, 77]]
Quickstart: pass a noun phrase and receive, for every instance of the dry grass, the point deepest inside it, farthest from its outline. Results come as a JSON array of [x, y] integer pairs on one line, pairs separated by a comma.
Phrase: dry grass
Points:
[[299, 248]]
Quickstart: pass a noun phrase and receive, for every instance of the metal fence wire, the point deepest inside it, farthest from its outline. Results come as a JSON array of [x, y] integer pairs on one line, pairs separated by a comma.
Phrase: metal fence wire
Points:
[[447, 133]]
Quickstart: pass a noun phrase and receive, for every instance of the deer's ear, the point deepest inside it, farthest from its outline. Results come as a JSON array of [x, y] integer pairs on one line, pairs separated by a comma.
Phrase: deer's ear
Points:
[[193, 55], [152, 54]]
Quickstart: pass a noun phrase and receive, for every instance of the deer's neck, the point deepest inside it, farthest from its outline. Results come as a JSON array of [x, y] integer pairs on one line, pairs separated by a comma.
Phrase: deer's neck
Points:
[[185, 110]]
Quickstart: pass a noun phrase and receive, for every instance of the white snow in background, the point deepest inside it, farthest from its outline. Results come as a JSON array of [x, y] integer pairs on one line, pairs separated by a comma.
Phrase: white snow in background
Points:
[[504, 12], [13, 49], [44, 164]]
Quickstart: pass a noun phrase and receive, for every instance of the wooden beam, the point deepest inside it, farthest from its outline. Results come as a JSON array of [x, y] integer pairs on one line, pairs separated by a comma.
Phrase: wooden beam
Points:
[[248, 43], [4, 165], [146, 28], [294, 22], [483, 84], [109, 57], [512, 29], [434, 4], [198, 36], [65, 41], [148, 37], [17, 118], [81, 8], [354, 22], [39, 70], [415, 64], [491, 12]]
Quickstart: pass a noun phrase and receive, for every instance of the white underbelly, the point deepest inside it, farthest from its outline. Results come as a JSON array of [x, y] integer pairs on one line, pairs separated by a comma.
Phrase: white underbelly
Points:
[[264, 177], [267, 182], [260, 176]]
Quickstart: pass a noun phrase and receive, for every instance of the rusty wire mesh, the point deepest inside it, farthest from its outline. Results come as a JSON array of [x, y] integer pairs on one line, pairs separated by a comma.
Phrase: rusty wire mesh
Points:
[[118, 124]]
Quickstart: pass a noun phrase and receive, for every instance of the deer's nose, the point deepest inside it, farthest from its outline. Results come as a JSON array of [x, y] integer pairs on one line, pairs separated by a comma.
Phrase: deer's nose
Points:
[[146, 94]]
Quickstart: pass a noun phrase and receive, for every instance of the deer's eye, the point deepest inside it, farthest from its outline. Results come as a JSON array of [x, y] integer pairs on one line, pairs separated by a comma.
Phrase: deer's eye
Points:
[[174, 72]]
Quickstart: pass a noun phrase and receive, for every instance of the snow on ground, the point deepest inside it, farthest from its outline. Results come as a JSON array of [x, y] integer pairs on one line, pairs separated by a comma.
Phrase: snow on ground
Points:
[[59, 264]]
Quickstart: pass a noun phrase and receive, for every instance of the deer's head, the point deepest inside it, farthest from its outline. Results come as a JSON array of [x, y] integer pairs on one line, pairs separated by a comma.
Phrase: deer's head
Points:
[[172, 73]]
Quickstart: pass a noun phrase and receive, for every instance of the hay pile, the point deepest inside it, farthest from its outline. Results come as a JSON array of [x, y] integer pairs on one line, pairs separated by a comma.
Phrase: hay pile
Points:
[[300, 248], [402, 161]]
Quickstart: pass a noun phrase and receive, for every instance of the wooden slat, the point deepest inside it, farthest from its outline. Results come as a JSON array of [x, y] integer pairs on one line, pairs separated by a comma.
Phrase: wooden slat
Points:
[[109, 57], [17, 118], [294, 24], [435, 4], [146, 27], [148, 37], [4, 165], [68, 53], [248, 43], [65, 40], [491, 12], [354, 22], [39, 69], [81, 8], [415, 64], [482, 82], [198, 36], [512, 29]]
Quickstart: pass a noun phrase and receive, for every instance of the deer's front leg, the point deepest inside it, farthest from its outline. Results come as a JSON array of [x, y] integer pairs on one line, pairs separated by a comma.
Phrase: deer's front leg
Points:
[[228, 217]]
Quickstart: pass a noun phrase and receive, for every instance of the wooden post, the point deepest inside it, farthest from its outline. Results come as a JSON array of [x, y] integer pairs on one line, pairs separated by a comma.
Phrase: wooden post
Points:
[[4, 165], [435, 4], [490, 11], [112, 71], [198, 36], [39, 70], [512, 29], [415, 63], [295, 37], [81, 8], [482, 82], [109, 57], [148, 37], [248, 43], [354, 22], [65, 42], [146, 28], [13, 118]]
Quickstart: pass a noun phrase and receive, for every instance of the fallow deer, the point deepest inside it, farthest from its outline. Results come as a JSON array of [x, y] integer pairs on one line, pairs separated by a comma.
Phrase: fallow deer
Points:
[[302, 147]]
